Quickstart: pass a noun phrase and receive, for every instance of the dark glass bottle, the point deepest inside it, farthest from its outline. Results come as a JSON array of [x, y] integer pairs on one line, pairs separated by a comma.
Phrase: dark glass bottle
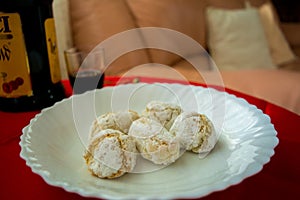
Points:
[[29, 67]]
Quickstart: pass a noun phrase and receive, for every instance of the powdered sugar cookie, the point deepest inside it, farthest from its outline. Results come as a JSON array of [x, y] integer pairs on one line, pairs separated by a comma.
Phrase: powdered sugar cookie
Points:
[[113, 120], [195, 132], [163, 112], [154, 142], [111, 154]]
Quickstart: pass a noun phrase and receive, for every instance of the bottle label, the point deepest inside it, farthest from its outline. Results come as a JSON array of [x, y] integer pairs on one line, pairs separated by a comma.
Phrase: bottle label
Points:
[[52, 50], [14, 67]]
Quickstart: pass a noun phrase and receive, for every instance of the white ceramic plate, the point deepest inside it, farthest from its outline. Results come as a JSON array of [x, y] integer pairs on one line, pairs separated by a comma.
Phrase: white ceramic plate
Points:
[[54, 141]]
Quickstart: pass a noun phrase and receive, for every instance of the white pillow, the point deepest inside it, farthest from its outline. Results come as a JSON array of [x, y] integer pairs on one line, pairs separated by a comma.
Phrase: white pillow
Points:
[[236, 39]]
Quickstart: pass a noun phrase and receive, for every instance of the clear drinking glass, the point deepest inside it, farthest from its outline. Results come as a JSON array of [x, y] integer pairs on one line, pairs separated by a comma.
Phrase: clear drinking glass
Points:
[[86, 71]]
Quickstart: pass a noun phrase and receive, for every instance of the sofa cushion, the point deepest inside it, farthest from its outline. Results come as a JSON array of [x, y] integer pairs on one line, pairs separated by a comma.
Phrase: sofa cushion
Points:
[[237, 40], [186, 17], [280, 87], [280, 49], [277, 86], [94, 21]]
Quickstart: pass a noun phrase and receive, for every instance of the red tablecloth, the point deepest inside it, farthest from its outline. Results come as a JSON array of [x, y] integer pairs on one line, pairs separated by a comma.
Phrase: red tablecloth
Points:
[[279, 179]]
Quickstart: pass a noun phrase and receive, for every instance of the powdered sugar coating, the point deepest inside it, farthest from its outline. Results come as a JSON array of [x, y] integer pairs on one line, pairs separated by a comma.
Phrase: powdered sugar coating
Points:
[[195, 132], [154, 142], [163, 112], [113, 120], [111, 154]]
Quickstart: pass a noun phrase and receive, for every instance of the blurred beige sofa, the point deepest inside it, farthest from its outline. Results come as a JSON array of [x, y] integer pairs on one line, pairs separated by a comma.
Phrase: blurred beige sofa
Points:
[[85, 24]]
